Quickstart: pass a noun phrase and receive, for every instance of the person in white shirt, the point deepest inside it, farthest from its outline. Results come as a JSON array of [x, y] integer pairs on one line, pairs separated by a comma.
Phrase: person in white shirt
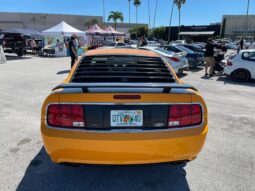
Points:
[[2, 55]]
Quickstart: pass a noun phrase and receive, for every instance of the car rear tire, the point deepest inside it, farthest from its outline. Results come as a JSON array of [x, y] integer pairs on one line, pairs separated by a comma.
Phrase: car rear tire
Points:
[[20, 52], [241, 75]]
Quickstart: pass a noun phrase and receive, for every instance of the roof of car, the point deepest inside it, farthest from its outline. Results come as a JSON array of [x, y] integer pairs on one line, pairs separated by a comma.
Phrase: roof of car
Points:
[[121, 51], [247, 50]]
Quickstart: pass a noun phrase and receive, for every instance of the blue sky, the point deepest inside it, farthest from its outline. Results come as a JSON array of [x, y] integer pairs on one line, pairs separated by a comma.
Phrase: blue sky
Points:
[[193, 12]]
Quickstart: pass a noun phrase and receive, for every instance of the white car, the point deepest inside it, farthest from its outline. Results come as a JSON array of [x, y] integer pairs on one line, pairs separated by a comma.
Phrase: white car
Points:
[[241, 66], [178, 61], [153, 43], [109, 45]]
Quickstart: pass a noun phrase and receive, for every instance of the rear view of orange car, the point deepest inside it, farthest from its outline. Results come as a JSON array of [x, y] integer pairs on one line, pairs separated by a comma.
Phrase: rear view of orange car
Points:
[[123, 106]]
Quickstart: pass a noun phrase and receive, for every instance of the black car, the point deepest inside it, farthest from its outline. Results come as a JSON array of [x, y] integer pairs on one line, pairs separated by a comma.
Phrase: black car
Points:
[[195, 59], [14, 43]]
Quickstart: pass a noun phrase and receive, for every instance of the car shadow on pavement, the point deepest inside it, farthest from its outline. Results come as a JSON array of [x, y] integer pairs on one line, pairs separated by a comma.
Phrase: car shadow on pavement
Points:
[[228, 80], [42, 174], [15, 57], [63, 72]]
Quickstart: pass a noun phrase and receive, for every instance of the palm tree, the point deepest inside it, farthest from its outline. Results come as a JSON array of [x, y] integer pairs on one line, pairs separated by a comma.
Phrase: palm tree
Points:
[[33, 20], [179, 4], [170, 22], [44, 17], [137, 3], [90, 23], [115, 16]]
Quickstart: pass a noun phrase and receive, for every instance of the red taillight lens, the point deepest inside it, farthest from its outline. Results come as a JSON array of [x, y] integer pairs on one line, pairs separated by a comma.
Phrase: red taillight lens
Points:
[[65, 115], [174, 59], [184, 115], [229, 63]]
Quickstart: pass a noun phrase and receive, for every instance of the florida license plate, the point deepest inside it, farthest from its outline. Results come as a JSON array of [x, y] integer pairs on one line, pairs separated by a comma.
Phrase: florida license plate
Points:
[[126, 118]]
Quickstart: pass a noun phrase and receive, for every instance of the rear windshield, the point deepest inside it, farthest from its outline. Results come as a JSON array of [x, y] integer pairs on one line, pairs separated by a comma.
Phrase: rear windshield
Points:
[[184, 49], [163, 51], [117, 68]]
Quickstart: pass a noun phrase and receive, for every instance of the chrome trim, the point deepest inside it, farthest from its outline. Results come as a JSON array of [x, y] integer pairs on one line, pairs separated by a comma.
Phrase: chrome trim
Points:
[[124, 130]]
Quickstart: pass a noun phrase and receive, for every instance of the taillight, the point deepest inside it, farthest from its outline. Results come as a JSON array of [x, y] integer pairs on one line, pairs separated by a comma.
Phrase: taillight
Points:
[[184, 115], [229, 63], [174, 59], [65, 115]]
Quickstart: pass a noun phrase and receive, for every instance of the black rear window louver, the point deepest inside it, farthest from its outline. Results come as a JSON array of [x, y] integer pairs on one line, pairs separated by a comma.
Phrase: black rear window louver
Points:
[[122, 69]]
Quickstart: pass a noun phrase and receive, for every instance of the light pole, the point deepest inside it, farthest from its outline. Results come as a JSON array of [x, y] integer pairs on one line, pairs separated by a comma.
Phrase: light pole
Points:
[[155, 13], [149, 13], [170, 23], [103, 13], [246, 19], [129, 12]]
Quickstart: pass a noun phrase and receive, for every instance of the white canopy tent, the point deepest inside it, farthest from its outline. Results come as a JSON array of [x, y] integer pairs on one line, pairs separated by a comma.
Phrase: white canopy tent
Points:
[[63, 29]]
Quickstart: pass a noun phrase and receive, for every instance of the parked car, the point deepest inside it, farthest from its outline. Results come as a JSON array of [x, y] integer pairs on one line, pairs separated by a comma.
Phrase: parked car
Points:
[[112, 44], [194, 48], [178, 61], [241, 67], [123, 106], [194, 59], [15, 43], [153, 43]]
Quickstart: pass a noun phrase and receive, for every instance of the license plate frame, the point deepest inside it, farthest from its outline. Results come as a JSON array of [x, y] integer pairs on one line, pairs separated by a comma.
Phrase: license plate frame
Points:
[[126, 118]]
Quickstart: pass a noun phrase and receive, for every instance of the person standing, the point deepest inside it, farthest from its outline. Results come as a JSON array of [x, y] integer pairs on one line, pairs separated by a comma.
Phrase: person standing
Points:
[[33, 46], [76, 44], [209, 59], [72, 51], [2, 55], [241, 43]]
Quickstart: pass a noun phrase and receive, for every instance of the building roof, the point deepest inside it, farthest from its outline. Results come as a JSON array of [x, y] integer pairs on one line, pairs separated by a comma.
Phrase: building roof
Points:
[[196, 33]]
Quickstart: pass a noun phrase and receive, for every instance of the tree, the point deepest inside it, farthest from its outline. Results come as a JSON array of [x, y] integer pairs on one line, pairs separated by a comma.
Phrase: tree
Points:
[[179, 4], [159, 32], [90, 23], [44, 17], [137, 3], [137, 32], [33, 20], [115, 16]]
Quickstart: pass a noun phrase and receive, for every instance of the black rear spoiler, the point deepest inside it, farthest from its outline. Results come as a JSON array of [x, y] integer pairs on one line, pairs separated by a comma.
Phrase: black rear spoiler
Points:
[[166, 86]]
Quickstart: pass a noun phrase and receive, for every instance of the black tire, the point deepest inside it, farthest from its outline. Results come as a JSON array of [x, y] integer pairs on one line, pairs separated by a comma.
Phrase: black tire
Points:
[[20, 52], [241, 75]]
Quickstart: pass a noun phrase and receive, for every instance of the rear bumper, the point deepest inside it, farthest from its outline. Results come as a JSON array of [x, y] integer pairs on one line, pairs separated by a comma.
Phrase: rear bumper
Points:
[[123, 147]]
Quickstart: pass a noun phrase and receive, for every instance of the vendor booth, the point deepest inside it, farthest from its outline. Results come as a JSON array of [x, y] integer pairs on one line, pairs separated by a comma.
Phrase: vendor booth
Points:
[[57, 38], [96, 36]]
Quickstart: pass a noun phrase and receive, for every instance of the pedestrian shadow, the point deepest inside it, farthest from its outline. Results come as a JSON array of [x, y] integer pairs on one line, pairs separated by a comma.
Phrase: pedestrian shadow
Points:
[[228, 80], [63, 72], [42, 174]]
